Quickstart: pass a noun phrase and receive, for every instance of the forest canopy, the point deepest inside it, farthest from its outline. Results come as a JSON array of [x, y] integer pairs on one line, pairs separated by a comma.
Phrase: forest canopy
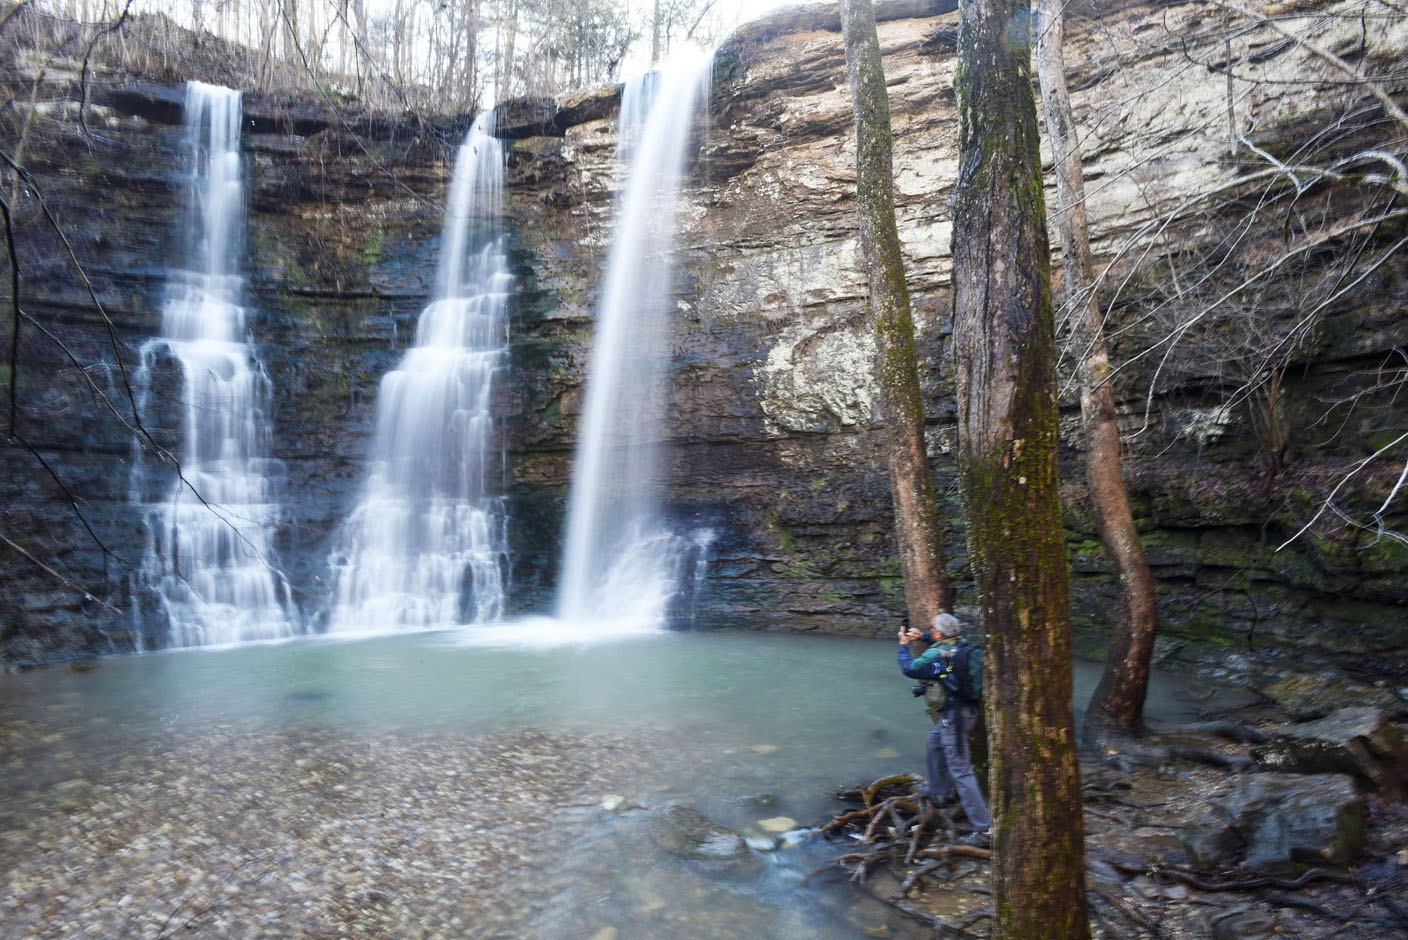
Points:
[[449, 56]]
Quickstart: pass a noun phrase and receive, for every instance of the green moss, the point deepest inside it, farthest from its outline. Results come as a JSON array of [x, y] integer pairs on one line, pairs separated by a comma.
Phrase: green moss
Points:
[[1382, 555], [803, 569], [371, 252], [785, 540], [1377, 440], [279, 257]]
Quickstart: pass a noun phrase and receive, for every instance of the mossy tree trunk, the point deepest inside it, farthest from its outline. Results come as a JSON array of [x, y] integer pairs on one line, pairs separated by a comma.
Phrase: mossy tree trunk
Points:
[[1117, 707], [1004, 346], [926, 586]]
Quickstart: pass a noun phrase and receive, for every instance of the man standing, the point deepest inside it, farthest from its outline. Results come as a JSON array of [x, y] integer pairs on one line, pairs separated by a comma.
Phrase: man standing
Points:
[[958, 667]]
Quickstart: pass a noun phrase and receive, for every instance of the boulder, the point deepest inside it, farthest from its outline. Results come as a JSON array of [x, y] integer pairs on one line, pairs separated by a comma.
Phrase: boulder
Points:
[[1270, 821], [582, 105], [1243, 923], [687, 833], [525, 117], [1361, 742], [1318, 693], [160, 104]]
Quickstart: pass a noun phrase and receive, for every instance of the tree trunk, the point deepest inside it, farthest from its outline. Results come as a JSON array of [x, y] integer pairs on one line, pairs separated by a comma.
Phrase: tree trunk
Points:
[[1117, 707], [917, 531], [655, 34], [1004, 344]]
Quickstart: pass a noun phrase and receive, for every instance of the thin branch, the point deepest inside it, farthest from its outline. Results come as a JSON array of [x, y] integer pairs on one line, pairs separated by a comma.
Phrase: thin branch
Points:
[[308, 67], [87, 55], [62, 579], [83, 276], [1172, 338], [1326, 505], [68, 495], [1373, 88], [14, 306]]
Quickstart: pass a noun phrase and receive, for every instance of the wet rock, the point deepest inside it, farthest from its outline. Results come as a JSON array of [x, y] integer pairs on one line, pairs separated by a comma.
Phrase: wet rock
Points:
[[1242, 924], [796, 836], [615, 803], [687, 833], [778, 824], [1361, 742], [1310, 695], [1150, 890], [1269, 821]]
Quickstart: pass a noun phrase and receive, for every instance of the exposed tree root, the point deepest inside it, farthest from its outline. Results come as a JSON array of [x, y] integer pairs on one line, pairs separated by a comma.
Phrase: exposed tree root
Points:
[[1200, 881], [1131, 914], [900, 828], [1286, 900], [938, 924], [1231, 730]]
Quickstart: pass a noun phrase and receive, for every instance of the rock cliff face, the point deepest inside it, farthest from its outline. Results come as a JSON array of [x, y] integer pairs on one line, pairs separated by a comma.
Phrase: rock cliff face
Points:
[[770, 435], [772, 409]]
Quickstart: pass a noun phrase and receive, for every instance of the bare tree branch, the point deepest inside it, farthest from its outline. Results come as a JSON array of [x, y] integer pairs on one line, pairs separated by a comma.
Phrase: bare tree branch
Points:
[[1374, 88], [62, 579]]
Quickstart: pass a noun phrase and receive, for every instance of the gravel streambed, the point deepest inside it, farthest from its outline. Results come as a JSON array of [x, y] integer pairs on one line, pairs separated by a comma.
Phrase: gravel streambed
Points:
[[306, 833]]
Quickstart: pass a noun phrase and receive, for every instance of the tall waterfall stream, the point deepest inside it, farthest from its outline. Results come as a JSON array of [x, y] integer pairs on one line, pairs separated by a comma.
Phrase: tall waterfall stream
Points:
[[207, 576], [623, 563], [426, 544]]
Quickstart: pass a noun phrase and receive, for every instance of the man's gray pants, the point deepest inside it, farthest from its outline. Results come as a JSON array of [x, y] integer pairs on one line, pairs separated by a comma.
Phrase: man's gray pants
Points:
[[951, 762]]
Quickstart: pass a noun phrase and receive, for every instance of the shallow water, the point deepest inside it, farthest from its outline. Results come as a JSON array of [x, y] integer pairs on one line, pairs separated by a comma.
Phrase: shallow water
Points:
[[742, 727]]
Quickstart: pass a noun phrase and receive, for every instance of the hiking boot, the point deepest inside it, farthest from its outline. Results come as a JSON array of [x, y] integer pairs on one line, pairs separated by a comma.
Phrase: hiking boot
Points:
[[981, 839]]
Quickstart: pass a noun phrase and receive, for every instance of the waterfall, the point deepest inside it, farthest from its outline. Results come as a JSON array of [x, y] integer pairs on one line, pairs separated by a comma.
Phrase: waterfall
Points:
[[622, 561], [426, 545], [209, 525]]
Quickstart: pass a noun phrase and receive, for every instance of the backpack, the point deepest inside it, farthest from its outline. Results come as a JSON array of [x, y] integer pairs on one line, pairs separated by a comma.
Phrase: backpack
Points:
[[967, 670]]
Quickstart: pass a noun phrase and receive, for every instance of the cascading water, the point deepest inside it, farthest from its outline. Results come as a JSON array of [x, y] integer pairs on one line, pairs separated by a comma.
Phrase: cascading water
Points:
[[622, 563], [426, 546], [210, 525]]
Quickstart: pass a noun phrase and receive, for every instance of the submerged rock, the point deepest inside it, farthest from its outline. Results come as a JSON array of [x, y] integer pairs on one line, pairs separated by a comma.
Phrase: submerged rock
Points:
[[1268, 821], [615, 803], [777, 824], [1361, 742], [687, 833]]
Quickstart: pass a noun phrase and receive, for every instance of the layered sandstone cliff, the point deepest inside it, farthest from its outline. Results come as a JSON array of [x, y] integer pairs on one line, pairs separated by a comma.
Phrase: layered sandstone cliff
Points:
[[770, 437]]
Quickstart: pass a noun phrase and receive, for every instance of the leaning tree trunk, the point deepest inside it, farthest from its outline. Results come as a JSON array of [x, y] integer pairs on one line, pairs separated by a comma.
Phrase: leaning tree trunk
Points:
[[1117, 707], [1004, 344], [926, 586]]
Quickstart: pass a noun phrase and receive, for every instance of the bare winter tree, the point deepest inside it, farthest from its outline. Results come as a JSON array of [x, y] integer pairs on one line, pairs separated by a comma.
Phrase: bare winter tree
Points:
[[926, 586], [1117, 706], [1005, 352]]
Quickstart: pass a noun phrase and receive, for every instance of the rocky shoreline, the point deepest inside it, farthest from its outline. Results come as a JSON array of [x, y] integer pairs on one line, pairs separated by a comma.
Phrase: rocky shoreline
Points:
[[1301, 832]]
